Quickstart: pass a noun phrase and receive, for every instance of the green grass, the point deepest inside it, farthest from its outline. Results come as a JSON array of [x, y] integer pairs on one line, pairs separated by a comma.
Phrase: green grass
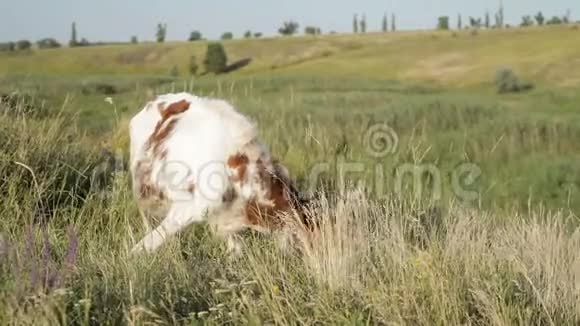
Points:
[[388, 261], [486, 233]]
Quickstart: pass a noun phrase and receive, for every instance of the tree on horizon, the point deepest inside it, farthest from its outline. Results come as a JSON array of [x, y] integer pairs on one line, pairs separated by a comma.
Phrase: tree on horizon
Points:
[[363, 24], [385, 27], [161, 32], [73, 37]]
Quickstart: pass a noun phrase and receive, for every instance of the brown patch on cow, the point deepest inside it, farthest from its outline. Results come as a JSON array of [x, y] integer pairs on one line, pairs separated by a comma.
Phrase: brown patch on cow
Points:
[[266, 212], [239, 162], [158, 137], [279, 193], [162, 133], [146, 188], [175, 108], [163, 128], [281, 197]]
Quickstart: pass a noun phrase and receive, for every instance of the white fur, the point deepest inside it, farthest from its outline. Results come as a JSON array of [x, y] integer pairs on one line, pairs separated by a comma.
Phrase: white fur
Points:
[[197, 150]]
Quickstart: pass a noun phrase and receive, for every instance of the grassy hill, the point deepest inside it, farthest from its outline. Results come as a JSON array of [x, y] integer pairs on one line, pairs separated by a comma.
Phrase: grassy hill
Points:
[[543, 55], [470, 216]]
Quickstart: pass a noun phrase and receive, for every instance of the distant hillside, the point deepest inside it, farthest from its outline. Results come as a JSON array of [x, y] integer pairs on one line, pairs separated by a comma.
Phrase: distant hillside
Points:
[[543, 55]]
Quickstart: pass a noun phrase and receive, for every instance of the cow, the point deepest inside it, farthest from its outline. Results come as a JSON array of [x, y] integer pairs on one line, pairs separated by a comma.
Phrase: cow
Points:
[[195, 160]]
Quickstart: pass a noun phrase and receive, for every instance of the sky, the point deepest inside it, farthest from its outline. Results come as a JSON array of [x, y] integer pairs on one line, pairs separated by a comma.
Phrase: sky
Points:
[[118, 20]]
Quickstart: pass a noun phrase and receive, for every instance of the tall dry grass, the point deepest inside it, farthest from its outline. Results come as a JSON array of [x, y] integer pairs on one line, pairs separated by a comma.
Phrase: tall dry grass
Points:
[[374, 262]]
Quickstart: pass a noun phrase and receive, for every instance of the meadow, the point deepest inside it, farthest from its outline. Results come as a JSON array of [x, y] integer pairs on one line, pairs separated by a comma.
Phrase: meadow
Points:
[[442, 202]]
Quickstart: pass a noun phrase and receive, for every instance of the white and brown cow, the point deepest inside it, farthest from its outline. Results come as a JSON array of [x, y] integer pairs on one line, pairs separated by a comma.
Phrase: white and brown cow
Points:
[[198, 160]]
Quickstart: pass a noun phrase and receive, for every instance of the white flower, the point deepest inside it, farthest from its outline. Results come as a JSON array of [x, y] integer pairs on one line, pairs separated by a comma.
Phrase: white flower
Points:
[[109, 100]]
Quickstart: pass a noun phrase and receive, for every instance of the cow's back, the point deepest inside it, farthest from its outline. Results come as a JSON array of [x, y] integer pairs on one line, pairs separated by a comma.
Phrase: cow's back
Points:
[[179, 146]]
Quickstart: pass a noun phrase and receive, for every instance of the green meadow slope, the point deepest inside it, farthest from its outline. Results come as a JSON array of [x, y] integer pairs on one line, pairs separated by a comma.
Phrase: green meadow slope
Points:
[[542, 55]]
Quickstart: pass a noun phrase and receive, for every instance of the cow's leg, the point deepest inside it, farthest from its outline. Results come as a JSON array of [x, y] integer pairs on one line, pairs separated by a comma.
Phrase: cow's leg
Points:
[[180, 215]]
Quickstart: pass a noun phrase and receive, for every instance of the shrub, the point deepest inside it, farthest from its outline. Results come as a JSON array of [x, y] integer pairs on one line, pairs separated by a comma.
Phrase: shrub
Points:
[[311, 30], [134, 40], [8, 47], [289, 28], [527, 21], [227, 36], [555, 21], [48, 43], [475, 22], [507, 81], [84, 42], [23, 45], [195, 36], [161, 33], [443, 23], [215, 58], [257, 35], [540, 19], [248, 34]]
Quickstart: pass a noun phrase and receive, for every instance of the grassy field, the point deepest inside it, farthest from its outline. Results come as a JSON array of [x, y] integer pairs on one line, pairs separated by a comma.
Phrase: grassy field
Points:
[[452, 204], [457, 58]]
